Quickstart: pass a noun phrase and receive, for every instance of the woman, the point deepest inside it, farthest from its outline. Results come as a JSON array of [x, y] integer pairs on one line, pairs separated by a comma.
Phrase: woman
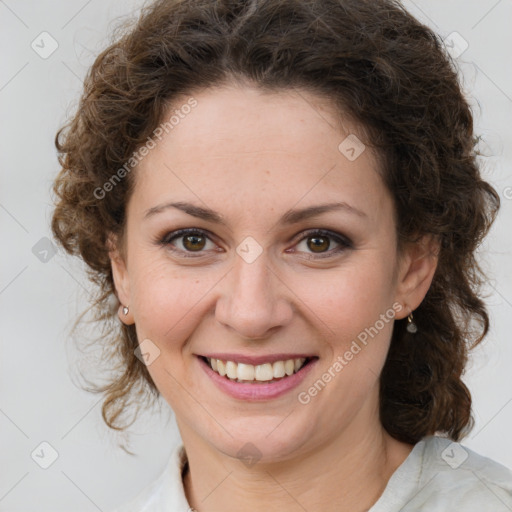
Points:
[[284, 200]]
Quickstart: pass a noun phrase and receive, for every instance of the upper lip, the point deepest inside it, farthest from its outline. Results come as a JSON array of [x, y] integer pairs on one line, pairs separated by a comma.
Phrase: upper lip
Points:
[[256, 360]]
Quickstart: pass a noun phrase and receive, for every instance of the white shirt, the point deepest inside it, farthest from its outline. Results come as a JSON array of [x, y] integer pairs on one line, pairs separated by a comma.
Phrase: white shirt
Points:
[[437, 476]]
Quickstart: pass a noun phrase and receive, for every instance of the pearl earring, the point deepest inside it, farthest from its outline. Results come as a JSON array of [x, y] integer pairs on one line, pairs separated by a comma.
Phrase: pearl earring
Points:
[[125, 310], [411, 325]]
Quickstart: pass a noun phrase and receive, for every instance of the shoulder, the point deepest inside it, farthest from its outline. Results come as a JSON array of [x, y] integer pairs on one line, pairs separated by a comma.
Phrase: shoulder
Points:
[[147, 500], [440, 475], [456, 463], [166, 493]]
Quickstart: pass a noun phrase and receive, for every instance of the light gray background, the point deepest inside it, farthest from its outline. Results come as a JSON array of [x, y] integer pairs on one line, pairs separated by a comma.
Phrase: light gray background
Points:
[[39, 301]]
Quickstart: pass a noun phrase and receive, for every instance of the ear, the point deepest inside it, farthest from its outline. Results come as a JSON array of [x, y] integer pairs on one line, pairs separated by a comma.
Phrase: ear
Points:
[[120, 276], [417, 266]]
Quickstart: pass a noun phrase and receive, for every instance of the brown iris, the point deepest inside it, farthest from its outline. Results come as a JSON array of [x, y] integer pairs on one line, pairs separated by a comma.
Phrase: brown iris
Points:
[[194, 242], [318, 243]]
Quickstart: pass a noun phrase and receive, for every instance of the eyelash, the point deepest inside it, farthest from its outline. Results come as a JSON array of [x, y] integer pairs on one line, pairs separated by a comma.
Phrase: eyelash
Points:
[[344, 242]]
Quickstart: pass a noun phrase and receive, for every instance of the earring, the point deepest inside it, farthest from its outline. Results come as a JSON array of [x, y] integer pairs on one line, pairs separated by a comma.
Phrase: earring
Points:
[[411, 325], [125, 310]]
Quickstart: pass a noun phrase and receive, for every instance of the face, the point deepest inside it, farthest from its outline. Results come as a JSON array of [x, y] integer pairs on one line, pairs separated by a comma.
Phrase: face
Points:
[[289, 253]]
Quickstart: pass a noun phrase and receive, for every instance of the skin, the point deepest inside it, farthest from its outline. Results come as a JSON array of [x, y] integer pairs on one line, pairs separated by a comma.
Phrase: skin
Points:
[[251, 157]]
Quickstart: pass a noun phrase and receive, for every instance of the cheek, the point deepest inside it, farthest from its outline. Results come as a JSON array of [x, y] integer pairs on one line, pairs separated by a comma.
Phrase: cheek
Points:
[[169, 307], [168, 301], [351, 298], [354, 308]]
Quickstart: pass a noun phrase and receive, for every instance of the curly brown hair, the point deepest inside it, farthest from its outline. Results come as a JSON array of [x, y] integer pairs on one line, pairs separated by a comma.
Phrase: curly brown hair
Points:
[[377, 64]]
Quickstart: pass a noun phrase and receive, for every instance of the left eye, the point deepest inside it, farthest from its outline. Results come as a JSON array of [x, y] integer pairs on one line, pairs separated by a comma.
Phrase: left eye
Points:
[[320, 242]]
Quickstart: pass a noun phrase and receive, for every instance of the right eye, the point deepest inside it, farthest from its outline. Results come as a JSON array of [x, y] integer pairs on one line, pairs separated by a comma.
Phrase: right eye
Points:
[[190, 241]]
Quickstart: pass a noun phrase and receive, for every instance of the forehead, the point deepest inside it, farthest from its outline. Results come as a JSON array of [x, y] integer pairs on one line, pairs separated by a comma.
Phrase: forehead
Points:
[[237, 143], [245, 119]]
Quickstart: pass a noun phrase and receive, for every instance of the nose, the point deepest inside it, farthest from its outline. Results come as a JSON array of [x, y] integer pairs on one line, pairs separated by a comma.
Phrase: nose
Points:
[[254, 302]]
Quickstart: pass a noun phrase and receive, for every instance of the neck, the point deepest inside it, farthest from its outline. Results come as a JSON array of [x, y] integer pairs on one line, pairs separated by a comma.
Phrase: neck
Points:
[[348, 473]]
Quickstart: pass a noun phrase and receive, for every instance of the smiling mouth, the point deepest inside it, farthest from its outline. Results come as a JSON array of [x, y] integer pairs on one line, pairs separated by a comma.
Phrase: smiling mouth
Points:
[[261, 373]]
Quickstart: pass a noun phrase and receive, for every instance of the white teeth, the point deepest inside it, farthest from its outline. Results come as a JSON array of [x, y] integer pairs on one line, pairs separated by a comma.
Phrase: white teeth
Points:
[[263, 372], [245, 371], [231, 369], [242, 372], [278, 368], [221, 368]]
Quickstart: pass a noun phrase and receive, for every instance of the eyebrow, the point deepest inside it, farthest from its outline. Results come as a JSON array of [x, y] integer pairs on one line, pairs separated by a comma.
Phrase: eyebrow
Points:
[[290, 217]]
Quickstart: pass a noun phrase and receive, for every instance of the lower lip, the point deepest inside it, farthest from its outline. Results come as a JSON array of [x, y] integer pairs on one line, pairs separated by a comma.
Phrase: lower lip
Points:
[[257, 391]]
